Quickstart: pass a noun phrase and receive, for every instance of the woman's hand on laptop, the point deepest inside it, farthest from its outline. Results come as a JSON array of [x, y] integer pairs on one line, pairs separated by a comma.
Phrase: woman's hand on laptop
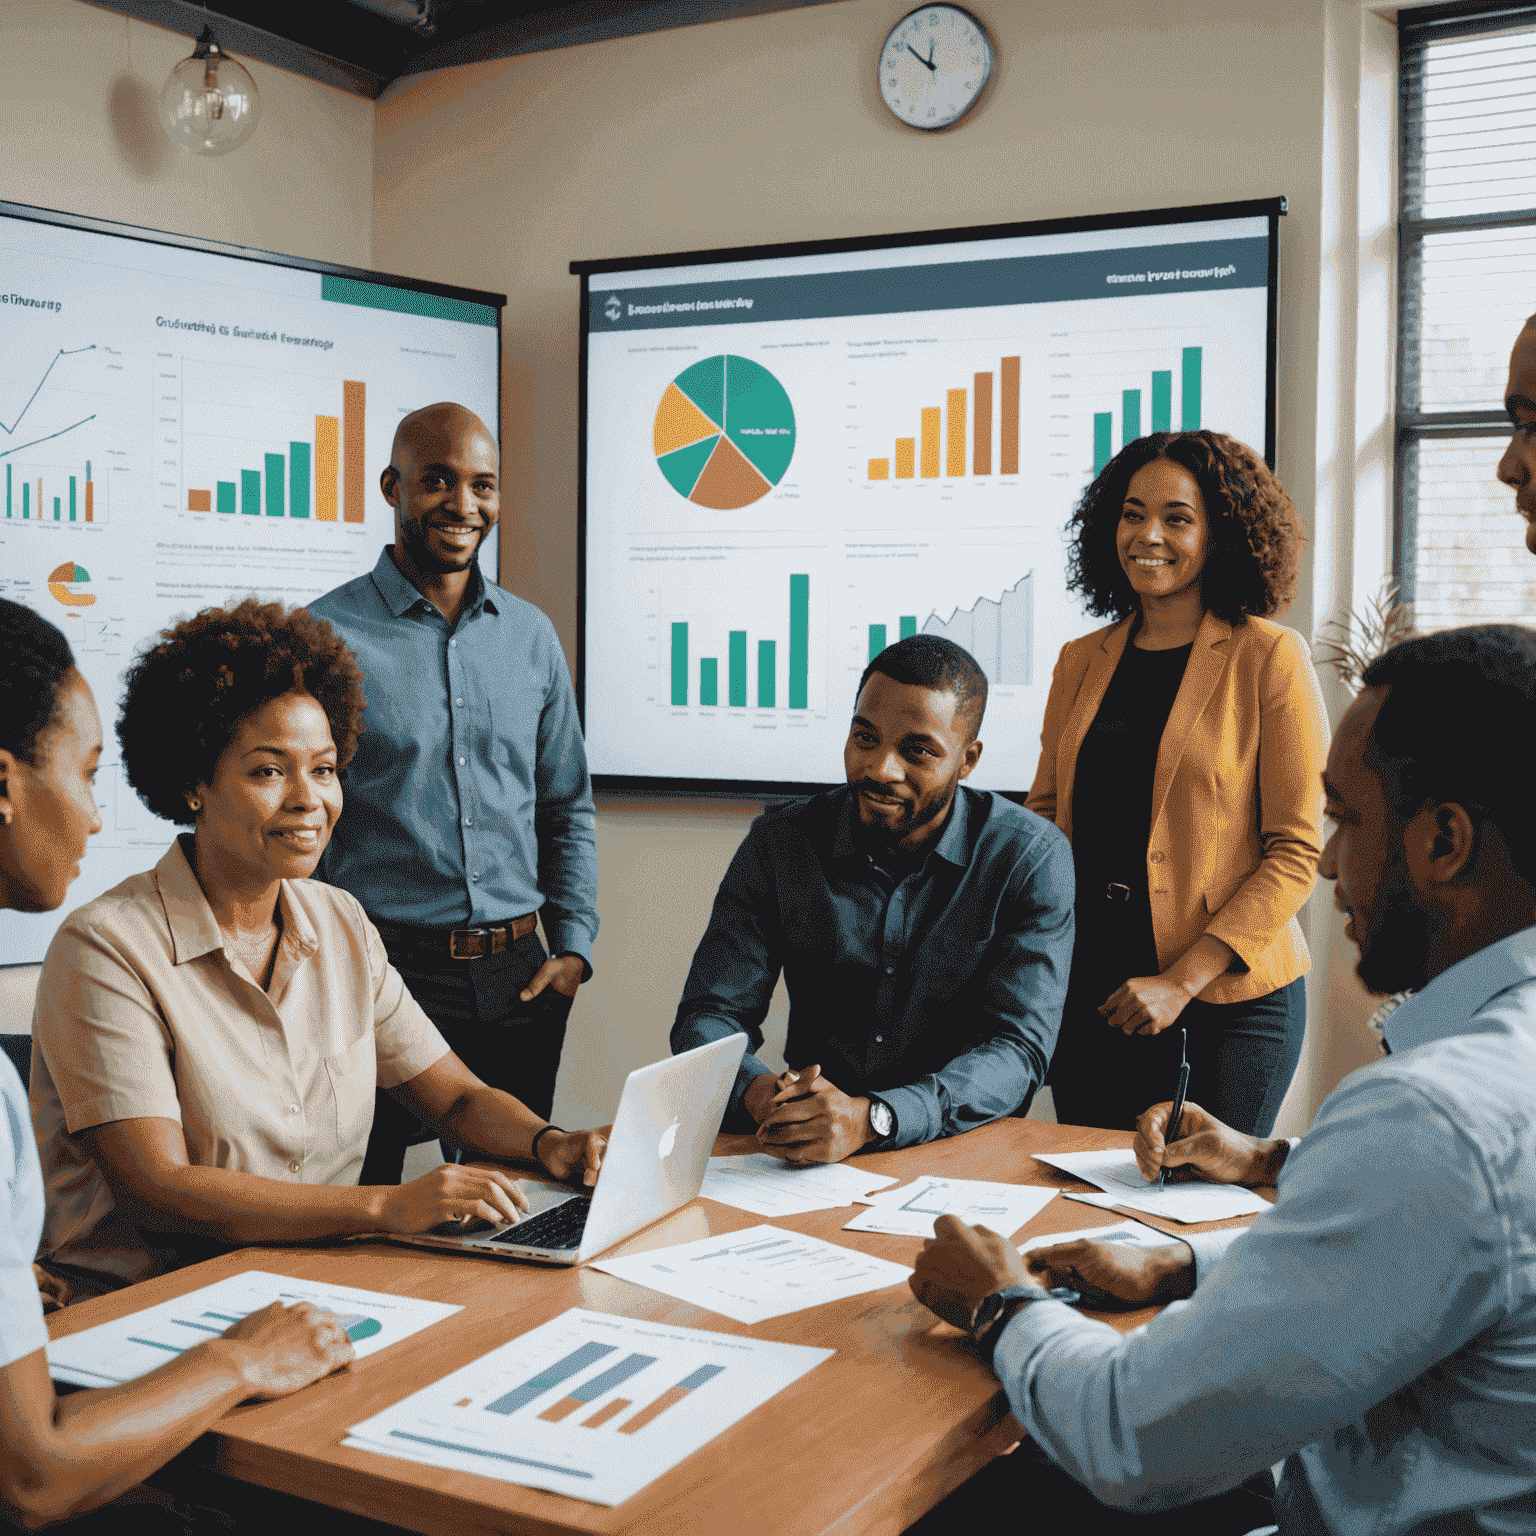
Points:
[[573, 1155], [454, 1192]]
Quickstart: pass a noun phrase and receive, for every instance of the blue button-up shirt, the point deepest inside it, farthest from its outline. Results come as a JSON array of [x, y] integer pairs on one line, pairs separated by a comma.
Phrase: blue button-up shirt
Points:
[[468, 801], [941, 991], [1376, 1329]]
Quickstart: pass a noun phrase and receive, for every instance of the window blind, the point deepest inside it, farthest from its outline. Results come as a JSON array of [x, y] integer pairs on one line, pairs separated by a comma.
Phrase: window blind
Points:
[[1467, 281]]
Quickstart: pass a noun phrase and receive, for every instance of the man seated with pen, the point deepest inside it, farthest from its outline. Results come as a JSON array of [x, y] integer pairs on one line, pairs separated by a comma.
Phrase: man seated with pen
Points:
[[924, 930], [1375, 1330]]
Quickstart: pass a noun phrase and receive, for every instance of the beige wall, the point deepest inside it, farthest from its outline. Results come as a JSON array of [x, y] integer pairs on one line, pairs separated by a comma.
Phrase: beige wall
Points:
[[78, 90]]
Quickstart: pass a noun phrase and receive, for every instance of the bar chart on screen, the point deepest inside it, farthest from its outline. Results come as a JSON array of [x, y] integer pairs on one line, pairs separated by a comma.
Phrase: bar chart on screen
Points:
[[261, 444], [589, 1405]]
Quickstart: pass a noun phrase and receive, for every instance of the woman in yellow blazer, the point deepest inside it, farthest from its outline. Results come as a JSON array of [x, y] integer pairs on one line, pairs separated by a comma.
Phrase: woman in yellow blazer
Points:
[[1182, 755]]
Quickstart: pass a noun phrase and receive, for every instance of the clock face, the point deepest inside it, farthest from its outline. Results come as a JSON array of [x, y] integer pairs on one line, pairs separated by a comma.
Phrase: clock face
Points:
[[934, 65]]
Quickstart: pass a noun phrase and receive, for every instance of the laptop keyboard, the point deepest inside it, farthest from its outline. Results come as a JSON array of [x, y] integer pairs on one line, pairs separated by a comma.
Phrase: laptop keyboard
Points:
[[555, 1230]]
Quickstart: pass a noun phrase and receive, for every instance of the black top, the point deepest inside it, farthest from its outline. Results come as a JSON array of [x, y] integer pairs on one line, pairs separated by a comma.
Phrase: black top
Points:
[[1112, 793]]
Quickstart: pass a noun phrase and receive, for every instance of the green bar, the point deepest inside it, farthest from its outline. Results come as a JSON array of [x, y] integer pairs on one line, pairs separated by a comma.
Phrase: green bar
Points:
[[738, 669], [908, 625], [766, 673], [26, 497], [876, 640], [250, 493], [7, 490], [226, 495], [1189, 415], [1162, 401], [87, 469], [274, 485], [679, 663], [709, 680], [1103, 452], [56, 516], [799, 640], [1130, 416], [404, 301], [298, 479], [71, 498]]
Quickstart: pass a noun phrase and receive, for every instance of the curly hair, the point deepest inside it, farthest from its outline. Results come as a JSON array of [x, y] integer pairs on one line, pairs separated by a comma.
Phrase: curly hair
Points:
[[35, 658], [1254, 535], [185, 697]]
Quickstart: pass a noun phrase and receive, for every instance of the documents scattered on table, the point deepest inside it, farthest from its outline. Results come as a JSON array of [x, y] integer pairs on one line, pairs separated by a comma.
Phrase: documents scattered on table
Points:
[[768, 1186], [129, 1346], [760, 1273], [1114, 1171], [1132, 1232], [587, 1404], [910, 1210]]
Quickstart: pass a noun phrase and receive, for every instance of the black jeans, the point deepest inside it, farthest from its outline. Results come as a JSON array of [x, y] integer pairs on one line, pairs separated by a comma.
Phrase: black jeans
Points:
[[510, 1044]]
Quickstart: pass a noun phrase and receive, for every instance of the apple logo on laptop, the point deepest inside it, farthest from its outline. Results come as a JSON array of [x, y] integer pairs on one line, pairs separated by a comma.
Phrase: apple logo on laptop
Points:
[[668, 1139]]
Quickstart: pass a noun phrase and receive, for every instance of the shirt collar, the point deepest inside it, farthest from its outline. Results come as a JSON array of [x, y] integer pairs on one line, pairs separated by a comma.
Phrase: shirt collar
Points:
[[954, 844], [194, 929], [400, 596], [1444, 1007]]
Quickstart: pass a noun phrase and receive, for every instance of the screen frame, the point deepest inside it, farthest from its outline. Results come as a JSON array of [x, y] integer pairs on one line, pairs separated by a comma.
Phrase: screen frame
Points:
[[1271, 208]]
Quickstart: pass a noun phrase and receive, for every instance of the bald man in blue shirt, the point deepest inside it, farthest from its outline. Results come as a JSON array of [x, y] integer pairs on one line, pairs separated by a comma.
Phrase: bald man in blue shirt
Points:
[[469, 815]]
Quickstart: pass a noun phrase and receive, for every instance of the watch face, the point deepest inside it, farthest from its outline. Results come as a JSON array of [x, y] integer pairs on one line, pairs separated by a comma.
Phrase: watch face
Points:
[[880, 1119], [934, 66]]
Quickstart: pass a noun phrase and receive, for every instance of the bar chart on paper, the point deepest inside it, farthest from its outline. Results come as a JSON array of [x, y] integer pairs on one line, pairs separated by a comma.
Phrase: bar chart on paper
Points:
[[263, 444], [589, 1405]]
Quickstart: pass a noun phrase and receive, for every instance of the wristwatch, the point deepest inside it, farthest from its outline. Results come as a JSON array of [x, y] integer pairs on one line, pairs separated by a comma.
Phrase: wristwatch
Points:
[[881, 1121], [994, 1312]]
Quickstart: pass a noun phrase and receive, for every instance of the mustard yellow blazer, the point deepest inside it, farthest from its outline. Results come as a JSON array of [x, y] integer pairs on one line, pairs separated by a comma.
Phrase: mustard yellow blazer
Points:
[[1237, 797]]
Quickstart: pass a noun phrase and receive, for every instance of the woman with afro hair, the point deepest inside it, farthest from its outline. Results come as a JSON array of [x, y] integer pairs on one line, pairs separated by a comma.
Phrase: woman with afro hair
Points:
[[1182, 754], [209, 1034]]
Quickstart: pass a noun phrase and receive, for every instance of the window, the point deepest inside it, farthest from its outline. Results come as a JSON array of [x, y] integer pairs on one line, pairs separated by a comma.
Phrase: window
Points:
[[1466, 282]]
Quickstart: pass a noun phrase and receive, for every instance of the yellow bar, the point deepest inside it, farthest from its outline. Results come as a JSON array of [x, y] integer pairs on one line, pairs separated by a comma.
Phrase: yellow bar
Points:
[[327, 445], [931, 442], [955, 464], [879, 469], [906, 457]]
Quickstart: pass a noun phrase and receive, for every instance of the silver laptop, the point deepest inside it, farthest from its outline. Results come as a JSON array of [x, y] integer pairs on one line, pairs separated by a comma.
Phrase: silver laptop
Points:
[[658, 1154]]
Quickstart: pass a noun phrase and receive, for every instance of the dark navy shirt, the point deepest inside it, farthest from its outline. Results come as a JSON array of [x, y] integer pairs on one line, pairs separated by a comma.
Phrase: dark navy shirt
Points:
[[468, 801], [939, 989]]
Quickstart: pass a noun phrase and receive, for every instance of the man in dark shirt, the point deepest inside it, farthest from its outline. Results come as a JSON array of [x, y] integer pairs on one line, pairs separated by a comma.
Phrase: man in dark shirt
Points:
[[924, 930]]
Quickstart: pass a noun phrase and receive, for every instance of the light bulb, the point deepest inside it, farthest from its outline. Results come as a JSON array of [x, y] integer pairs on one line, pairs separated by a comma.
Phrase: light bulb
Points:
[[210, 104]]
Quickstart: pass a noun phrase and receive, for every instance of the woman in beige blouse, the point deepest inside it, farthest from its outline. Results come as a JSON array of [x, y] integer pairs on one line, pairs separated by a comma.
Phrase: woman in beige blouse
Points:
[[210, 1032]]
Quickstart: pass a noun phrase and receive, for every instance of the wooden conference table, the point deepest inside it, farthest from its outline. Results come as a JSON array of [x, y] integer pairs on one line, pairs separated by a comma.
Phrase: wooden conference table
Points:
[[868, 1441]]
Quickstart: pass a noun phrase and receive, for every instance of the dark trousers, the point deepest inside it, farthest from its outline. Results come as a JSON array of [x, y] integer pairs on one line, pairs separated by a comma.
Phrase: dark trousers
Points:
[[1001, 1495], [510, 1044]]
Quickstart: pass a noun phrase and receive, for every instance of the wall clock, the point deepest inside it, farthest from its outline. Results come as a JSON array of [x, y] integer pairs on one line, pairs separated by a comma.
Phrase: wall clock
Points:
[[934, 66]]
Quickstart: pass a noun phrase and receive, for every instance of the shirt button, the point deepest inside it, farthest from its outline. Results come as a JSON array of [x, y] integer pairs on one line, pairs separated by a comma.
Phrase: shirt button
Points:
[[293, 1109], [468, 822], [474, 877], [461, 762], [293, 1167], [459, 703], [1157, 858], [454, 644], [890, 970], [879, 1039]]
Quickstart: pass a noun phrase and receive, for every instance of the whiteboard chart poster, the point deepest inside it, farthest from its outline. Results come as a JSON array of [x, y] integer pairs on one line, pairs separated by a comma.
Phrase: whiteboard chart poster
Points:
[[792, 461], [181, 427]]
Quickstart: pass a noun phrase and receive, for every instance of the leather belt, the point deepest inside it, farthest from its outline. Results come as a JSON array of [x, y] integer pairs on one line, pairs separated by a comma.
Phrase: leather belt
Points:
[[461, 943]]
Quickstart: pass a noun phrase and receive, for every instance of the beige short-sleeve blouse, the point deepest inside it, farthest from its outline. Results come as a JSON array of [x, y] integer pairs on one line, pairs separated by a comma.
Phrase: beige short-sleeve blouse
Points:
[[141, 1013]]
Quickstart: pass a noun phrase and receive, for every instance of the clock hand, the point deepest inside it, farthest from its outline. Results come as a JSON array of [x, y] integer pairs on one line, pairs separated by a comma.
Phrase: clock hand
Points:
[[927, 63], [931, 64]]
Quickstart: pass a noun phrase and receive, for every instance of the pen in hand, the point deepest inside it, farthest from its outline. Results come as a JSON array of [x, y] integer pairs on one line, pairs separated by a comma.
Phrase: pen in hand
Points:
[[1171, 1130]]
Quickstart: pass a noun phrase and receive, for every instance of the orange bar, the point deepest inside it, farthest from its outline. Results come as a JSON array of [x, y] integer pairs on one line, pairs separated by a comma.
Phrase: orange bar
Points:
[[557, 1411], [955, 464], [354, 456], [906, 457], [1009, 430], [601, 1417], [671, 1395], [931, 443], [879, 469], [983, 429], [199, 501], [327, 430], [90, 502]]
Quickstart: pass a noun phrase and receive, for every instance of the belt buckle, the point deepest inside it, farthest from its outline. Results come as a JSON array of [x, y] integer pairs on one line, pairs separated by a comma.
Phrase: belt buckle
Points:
[[454, 953], [1117, 892]]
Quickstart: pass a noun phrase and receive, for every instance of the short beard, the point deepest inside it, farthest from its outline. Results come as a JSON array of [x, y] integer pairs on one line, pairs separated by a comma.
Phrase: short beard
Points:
[[1394, 955], [881, 836], [414, 538]]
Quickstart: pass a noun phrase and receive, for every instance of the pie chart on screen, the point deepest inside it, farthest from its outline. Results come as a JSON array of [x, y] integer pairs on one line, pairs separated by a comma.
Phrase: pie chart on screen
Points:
[[67, 583], [724, 432]]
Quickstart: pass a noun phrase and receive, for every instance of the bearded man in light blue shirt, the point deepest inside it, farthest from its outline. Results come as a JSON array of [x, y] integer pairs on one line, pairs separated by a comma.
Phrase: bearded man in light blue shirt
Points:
[[1376, 1330]]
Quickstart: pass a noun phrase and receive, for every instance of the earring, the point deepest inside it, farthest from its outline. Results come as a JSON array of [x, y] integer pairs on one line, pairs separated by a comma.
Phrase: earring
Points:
[[194, 805]]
